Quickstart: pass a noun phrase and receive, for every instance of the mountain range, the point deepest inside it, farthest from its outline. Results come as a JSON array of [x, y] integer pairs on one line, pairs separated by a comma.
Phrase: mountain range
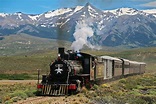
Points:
[[122, 26]]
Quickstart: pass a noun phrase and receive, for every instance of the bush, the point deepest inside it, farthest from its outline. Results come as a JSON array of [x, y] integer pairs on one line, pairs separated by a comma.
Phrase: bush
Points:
[[30, 92], [122, 81], [20, 94], [136, 101], [15, 99], [150, 99], [95, 87]]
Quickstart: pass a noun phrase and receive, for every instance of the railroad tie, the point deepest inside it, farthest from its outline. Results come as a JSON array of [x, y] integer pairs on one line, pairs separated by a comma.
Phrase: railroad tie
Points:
[[49, 90], [59, 92], [64, 88], [43, 89]]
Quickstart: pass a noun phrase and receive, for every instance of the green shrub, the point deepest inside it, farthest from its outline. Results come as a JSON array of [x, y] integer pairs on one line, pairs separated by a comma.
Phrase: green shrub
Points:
[[122, 81], [30, 92], [152, 92], [150, 99], [20, 94], [9, 102], [136, 100], [95, 87], [15, 99]]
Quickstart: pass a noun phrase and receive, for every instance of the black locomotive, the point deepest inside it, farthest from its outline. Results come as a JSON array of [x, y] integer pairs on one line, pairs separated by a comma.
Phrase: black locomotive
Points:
[[72, 70], [69, 72]]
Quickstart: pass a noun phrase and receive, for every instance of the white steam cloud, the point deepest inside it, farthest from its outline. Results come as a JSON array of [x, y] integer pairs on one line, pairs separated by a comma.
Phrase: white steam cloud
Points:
[[83, 31]]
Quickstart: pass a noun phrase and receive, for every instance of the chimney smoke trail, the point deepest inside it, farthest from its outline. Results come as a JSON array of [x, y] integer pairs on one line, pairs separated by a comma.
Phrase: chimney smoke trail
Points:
[[83, 31]]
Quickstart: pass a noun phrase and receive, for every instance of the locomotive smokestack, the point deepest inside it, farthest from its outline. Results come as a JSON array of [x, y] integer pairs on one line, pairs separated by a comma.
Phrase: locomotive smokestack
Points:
[[61, 51]]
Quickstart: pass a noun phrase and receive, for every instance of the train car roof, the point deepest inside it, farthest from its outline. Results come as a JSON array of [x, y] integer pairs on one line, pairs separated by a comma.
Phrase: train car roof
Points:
[[135, 62], [110, 58], [142, 63], [86, 54], [124, 59]]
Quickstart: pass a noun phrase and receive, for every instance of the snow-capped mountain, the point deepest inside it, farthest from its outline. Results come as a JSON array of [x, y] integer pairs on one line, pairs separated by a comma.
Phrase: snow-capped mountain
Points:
[[124, 11], [123, 26]]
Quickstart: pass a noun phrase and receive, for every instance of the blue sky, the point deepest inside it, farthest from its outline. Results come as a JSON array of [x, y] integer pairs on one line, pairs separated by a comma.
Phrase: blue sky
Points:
[[41, 6]]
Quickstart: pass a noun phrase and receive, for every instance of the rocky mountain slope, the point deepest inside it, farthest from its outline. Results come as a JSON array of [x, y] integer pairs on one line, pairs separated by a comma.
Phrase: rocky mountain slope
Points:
[[123, 26]]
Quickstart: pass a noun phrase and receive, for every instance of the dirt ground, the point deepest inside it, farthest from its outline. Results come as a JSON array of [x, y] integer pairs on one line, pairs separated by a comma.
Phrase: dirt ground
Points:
[[73, 99], [17, 81], [56, 100]]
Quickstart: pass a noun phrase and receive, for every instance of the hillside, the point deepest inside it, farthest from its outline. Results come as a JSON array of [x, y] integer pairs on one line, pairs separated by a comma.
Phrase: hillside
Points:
[[27, 64], [23, 43]]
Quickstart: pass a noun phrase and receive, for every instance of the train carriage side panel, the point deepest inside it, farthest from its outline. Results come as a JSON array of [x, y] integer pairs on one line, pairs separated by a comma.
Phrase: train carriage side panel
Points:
[[125, 67], [131, 69], [99, 69], [92, 69], [142, 67], [107, 69], [134, 67], [110, 71], [117, 67], [137, 68], [108, 66]]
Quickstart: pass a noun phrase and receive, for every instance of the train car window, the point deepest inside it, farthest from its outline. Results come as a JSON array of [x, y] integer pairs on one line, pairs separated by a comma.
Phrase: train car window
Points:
[[86, 61], [86, 66]]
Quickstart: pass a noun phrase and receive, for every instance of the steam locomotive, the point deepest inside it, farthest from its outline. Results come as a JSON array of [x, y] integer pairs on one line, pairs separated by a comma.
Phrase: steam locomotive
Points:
[[72, 70]]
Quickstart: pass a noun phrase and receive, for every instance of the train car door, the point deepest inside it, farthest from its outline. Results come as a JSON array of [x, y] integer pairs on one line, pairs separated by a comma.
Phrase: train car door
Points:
[[99, 69], [92, 69], [108, 69]]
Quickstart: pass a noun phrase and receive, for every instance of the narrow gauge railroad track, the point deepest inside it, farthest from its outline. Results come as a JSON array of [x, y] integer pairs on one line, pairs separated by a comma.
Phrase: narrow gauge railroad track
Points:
[[33, 100], [81, 99]]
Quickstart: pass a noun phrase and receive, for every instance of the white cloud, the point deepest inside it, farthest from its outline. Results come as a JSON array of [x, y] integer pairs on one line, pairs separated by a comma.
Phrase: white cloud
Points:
[[150, 4]]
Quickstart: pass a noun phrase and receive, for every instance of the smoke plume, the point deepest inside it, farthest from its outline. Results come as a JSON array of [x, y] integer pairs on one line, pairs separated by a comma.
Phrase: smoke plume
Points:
[[83, 31]]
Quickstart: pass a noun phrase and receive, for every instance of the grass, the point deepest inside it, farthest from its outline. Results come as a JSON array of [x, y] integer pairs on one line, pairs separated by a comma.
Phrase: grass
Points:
[[140, 89], [10, 93], [132, 90], [29, 63], [23, 76], [24, 64]]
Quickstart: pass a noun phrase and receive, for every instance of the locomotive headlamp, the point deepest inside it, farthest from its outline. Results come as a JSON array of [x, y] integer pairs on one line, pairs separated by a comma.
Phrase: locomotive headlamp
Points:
[[59, 55]]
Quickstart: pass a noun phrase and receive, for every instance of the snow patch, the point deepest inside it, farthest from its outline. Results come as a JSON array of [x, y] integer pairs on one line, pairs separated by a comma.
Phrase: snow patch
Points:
[[78, 8], [123, 11], [35, 17], [57, 12], [150, 11], [3, 14]]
